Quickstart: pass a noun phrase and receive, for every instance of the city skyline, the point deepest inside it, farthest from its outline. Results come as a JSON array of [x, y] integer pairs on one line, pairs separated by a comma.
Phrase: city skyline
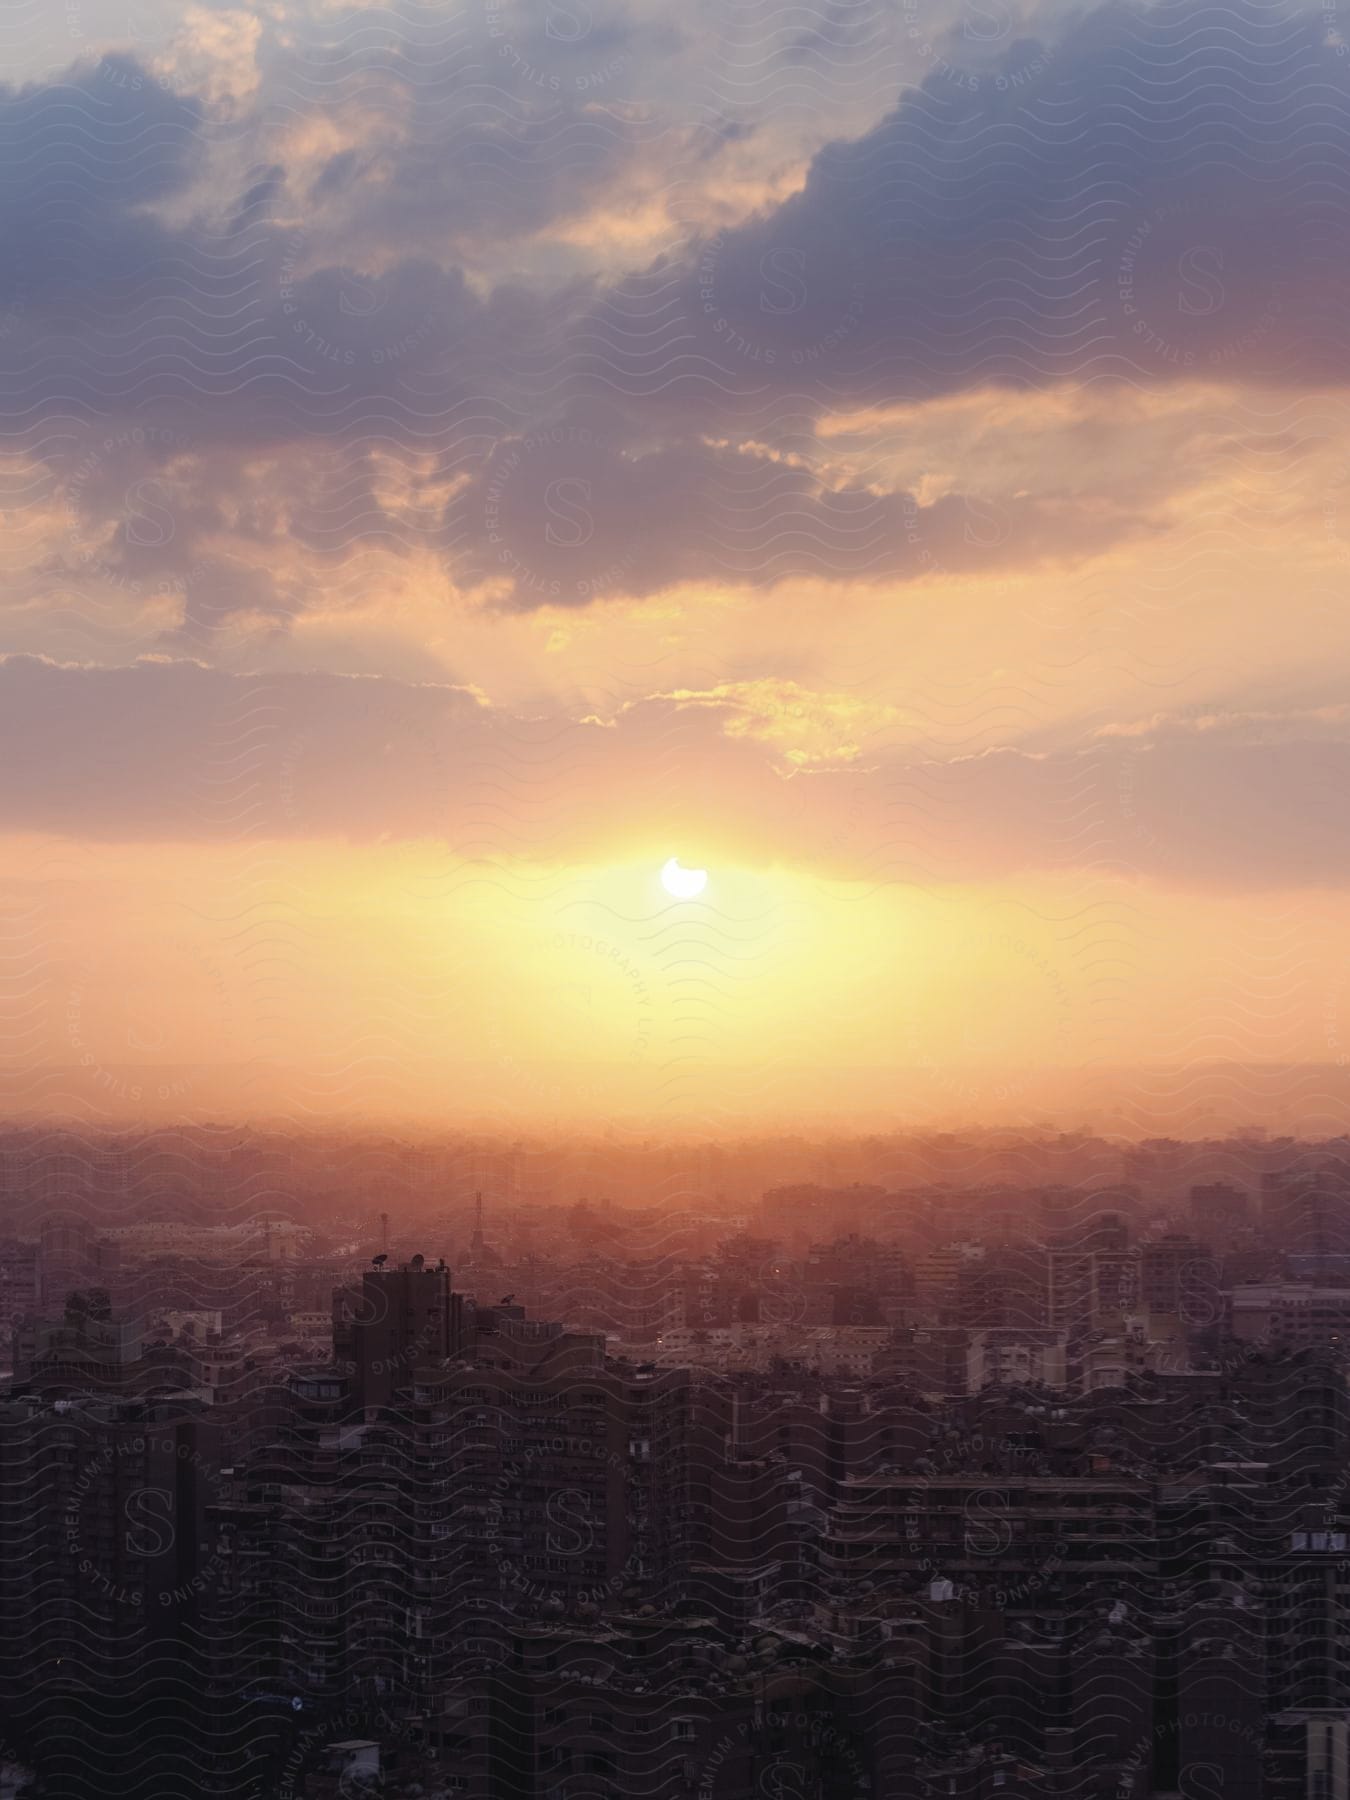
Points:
[[837, 1470]]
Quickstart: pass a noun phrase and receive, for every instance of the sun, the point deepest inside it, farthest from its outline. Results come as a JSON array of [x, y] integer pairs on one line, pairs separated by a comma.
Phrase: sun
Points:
[[684, 884]]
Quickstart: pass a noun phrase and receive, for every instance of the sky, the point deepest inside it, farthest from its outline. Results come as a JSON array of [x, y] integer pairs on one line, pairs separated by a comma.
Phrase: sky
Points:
[[891, 455]]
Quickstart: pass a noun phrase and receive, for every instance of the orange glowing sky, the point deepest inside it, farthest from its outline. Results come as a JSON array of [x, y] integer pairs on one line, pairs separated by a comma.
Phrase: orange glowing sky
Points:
[[451, 469]]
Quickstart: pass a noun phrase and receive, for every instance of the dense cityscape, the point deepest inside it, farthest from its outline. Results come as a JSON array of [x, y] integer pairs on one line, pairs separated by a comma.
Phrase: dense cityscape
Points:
[[344, 1466]]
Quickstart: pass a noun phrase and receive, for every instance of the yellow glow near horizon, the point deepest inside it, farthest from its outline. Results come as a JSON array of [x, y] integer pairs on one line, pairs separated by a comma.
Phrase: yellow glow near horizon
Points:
[[541, 991]]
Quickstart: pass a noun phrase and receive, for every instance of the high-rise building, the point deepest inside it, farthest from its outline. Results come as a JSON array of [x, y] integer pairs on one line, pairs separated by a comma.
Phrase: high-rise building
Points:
[[402, 1320]]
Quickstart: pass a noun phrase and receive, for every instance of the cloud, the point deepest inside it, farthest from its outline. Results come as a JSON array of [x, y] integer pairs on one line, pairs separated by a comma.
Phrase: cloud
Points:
[[82, 161], [214, 54], [567, 514], [806, 728], [174, 750], [1145, 195], [1167, 202]]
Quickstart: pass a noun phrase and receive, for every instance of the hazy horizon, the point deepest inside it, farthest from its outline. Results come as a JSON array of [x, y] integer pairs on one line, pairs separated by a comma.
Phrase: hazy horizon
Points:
[[1203, 1101]]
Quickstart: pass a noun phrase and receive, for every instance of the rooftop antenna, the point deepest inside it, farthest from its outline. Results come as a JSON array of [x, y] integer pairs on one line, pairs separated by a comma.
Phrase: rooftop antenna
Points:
[[384, 1232], [478, 1220]]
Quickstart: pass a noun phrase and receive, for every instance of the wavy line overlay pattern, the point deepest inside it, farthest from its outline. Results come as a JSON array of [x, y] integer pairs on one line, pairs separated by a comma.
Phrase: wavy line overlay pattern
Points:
[[687, 663]]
